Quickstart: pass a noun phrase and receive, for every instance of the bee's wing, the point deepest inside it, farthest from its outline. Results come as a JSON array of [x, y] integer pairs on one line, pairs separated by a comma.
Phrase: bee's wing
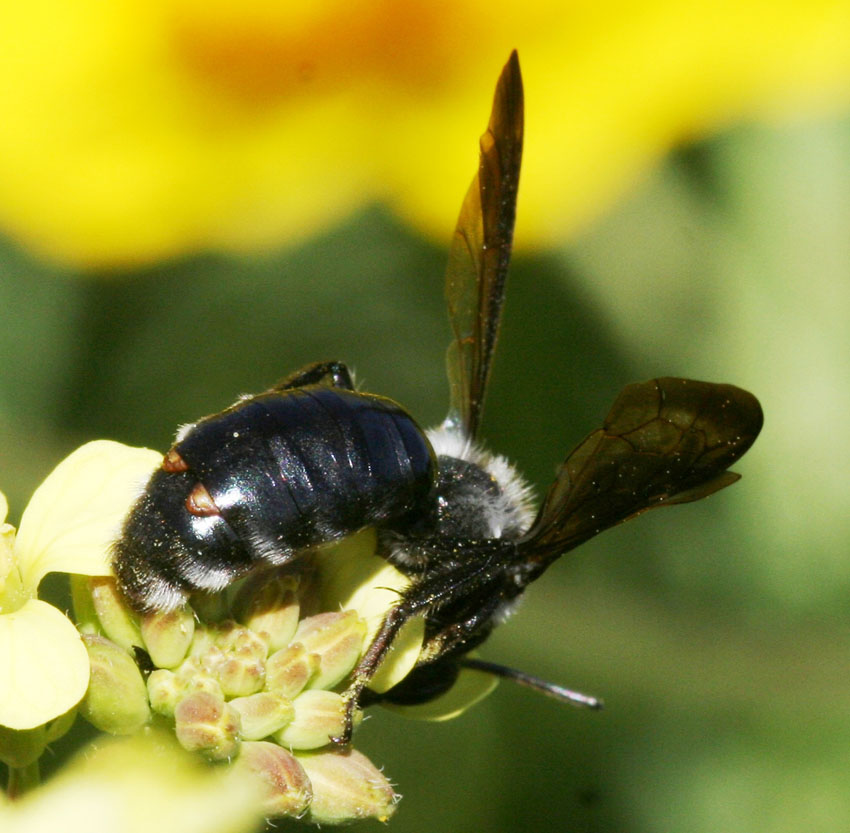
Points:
[[480, 253], [663, 442]]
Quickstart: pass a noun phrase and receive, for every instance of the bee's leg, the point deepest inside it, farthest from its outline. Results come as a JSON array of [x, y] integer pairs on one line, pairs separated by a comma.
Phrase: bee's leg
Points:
[[334, 374], [467, 632], [442, 656], [393, 621], [476, 581]]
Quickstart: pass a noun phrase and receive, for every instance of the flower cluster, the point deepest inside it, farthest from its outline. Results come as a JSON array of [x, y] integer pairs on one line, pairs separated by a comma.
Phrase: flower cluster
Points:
[[249, 676]]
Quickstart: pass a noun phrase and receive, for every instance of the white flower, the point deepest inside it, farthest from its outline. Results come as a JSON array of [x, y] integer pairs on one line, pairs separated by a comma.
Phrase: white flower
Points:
[[68, 526]]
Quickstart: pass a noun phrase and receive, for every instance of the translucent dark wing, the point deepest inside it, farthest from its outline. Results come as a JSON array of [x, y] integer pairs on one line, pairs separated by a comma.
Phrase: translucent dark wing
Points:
[[480, 253], [664, 442]]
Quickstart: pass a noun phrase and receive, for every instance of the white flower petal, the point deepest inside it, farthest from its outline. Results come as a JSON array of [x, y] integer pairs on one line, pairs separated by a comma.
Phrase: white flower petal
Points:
[[354, 578], [7, 551], [76, 513], [44, 667], [7, 557]]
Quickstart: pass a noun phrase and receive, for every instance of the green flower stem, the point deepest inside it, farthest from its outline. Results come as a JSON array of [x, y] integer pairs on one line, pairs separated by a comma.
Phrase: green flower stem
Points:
[[22, 779]]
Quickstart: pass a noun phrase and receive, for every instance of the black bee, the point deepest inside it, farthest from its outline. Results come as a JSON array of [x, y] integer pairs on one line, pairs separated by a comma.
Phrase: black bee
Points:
[[312, 460]]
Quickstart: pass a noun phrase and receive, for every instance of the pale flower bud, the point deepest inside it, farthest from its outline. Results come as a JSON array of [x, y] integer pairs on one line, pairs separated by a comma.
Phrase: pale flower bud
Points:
[[236, 659], [288, 789], [193, 681], [289, 670], [202, 639], [270, 608], [116, 619], [337, 638], [167, 636], [60, 726], [164, 691], [263, 713], [347, 786], [205, 723], [117, 699], [319, 716]]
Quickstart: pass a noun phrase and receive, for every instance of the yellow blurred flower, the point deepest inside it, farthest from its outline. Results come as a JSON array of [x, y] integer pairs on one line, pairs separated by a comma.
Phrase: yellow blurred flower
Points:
[[67, 526], [137, 131]]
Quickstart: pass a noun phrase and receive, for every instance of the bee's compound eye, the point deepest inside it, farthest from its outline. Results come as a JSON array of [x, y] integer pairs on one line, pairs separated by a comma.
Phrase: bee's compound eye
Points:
[[200, 502], [173, 462]]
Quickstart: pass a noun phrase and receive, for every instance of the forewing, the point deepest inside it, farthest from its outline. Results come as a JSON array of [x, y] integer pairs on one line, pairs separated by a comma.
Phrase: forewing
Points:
[[480, 253], [664, 442]]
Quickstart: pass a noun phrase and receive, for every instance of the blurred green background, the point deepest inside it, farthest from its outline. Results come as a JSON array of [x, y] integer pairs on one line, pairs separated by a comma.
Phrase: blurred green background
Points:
[[718, 633]]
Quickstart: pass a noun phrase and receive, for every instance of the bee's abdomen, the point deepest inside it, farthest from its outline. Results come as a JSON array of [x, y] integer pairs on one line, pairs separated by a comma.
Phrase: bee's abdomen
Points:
[[306, 466]]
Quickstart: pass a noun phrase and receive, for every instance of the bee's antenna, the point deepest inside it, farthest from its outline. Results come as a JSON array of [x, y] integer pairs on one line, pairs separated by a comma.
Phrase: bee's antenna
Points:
[[558, 692]]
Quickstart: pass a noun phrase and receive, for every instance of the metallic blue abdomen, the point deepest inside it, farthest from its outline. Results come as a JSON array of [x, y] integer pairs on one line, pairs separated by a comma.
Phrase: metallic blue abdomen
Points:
[[310, 465]]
